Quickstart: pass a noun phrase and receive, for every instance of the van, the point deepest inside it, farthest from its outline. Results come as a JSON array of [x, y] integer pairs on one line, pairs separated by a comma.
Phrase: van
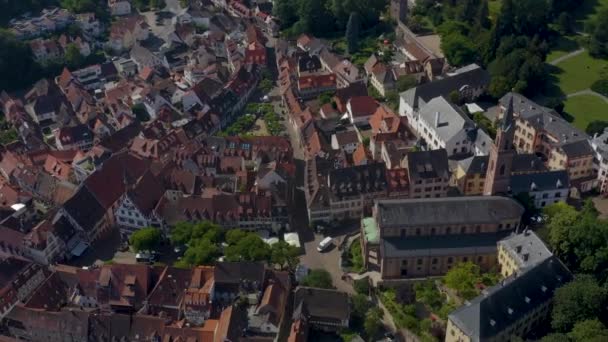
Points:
[[324, 244], [145, 257]]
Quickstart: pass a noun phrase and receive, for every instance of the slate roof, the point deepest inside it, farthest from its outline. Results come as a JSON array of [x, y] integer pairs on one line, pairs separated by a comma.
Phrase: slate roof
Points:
[[504, 304], [446, 211], [356, 180], [474, 77], [428, 164], [475, 165], [441, 245], [527, 249], [84, 208], [524, 163], [330, 306], [236, 272], [544, 181]]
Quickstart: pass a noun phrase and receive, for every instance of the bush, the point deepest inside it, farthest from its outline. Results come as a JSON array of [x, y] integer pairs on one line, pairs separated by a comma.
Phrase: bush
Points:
[[362, 286], [596, 126], [600, 86]]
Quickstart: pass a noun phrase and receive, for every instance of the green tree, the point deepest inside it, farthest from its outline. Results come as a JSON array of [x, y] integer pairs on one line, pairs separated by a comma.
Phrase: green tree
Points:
[[596, 126], [373, 323], [598, 43], [248, 247], [326, 97], [565, 23], [284, 255], [462, 278], [589, 330], [181, 234], [266, 85], [146, 239], [200, 252], [427, 293], [458, 49], [406, 82], [17, 66], [352, 32], [73, 58], [555, 337], [579, 300], [318, 278], [361, 305], [579, 237], [78, 6]]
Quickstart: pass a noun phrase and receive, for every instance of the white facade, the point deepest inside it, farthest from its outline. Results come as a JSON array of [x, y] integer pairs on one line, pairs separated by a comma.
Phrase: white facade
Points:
[[130, 218], [548, 197]]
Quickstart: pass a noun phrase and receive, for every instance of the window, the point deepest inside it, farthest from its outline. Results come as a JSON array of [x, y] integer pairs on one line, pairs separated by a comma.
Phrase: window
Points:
[[463, 230], [417, 231], [450, 260], [433, 231], [403, 262], [502, 170], [478, 229], [402, 232], [434, 261], [558, 194], [448, 230], [465, 259], [419, 262], [479, 258], [545, 195]]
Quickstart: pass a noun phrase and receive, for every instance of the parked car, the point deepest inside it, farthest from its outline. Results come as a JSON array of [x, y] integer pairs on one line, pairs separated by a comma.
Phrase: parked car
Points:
[[146, 257], [328, 241]]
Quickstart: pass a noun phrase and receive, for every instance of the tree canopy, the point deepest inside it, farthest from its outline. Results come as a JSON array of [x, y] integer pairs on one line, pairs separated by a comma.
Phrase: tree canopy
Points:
[[318, 278], [324, 17], [579, 237], [146, 239], [579, 300]]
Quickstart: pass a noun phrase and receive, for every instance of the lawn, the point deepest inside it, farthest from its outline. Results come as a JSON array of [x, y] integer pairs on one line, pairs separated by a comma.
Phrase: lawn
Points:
[[578, 73], [586, 108]]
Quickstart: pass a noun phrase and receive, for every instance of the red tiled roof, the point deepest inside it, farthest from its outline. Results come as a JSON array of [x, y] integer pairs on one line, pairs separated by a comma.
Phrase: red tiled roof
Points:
[[107, 184], [362, 105]]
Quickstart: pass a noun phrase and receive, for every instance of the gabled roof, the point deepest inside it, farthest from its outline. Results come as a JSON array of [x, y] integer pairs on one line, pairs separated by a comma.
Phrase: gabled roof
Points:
[[327, 306], [84, 208], [428, 164], [474, 77], [540, 181], [501, 306]]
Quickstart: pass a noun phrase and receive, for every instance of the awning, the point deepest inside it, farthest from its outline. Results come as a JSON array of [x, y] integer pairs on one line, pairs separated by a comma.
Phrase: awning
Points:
[[79, 249], [292, 239]]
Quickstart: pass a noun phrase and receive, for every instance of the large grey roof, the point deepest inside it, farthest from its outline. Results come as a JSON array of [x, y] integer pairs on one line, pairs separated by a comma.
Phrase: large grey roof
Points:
[[444, 118], [504, 304], [441, 245], [473, 77], [527, 249], [447, 211], [543, 181], [544, 118]]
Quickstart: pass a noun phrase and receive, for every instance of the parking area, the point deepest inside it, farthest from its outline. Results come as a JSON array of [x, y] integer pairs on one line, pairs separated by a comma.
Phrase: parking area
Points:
[[328, 259]]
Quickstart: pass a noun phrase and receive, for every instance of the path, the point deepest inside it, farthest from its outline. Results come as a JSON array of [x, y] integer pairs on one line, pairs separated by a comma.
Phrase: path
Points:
[[564, 57], [588, 92]]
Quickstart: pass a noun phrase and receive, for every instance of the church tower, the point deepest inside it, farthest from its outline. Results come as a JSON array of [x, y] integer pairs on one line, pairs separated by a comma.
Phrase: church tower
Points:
[[498, 175]]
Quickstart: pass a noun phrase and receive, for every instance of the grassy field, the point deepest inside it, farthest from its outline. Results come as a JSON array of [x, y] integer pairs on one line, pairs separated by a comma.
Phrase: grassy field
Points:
[[578, 73], [586, 108], [562, 47]]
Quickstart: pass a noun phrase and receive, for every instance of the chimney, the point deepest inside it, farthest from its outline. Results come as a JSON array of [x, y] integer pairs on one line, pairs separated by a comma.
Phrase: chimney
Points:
[[518, 249], [526, 257], [436, 119]]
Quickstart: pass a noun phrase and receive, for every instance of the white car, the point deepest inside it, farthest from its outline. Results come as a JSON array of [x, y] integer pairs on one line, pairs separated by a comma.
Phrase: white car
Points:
[[325, 244]]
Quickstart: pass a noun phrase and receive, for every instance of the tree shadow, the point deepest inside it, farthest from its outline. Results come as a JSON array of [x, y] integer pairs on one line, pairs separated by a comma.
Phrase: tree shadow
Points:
[[552, 89]]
